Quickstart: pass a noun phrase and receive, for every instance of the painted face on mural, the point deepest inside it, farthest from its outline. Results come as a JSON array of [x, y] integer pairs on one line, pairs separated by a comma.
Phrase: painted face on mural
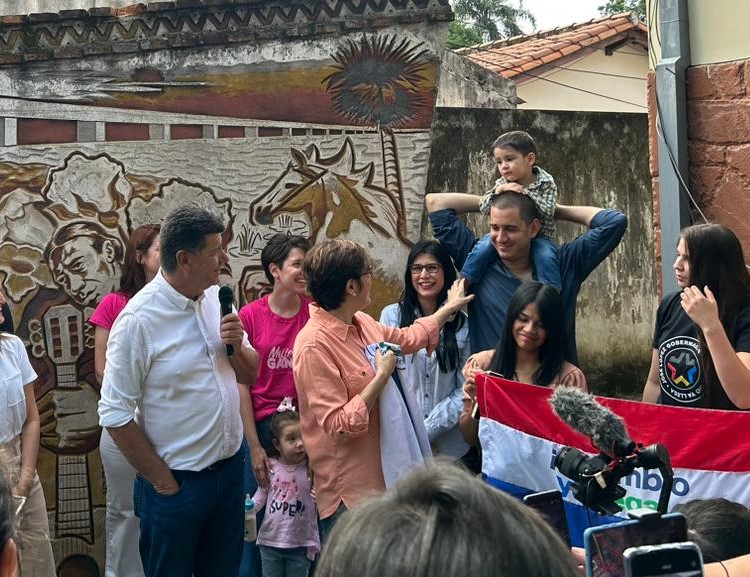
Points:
[[85, 262]]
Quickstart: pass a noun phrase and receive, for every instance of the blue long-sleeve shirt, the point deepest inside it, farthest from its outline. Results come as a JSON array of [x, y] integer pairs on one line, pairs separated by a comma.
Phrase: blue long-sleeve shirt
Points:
[[578, 258]]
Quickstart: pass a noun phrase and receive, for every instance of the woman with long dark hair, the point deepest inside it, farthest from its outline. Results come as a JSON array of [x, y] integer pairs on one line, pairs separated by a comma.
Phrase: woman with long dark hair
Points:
[[436, 377], [140, 267], [531, 349], [701, 346]]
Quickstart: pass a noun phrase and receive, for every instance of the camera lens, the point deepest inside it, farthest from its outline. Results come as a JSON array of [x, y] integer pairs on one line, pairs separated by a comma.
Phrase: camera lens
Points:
[[571, 462]]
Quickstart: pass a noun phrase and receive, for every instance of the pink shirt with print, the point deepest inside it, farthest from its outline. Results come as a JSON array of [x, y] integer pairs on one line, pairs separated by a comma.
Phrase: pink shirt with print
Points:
[[272, 336]]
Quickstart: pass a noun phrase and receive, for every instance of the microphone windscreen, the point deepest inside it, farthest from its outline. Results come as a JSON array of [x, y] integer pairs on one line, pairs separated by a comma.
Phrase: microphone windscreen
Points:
[[583, 413]]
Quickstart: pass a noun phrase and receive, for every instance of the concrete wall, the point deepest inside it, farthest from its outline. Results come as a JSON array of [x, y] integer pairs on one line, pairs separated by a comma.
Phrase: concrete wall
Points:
[[718, 30], [597, 159], [465, 84], [11, 7], [597, 82]]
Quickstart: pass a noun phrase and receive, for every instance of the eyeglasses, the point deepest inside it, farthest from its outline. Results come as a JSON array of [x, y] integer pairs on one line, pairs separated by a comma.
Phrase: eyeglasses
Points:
[[432, 269], [368, 271]]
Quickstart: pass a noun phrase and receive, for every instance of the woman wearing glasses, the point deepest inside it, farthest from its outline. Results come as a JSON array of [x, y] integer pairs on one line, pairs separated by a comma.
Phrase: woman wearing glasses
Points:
[[435, 376], [338, 390]]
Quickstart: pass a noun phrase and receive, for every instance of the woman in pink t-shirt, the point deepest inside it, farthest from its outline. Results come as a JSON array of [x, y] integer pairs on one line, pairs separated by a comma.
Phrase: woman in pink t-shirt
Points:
[[272, 323], [140, 267]]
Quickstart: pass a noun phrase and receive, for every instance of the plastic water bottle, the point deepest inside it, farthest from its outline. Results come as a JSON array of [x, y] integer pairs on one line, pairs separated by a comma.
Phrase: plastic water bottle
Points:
[[251, 526]]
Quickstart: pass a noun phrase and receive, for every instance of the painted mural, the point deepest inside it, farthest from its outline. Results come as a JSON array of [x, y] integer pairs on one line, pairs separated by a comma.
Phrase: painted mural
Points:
[[326, 137]]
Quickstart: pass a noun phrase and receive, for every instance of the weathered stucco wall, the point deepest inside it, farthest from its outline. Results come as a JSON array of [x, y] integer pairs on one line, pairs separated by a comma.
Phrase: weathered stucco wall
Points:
[[309, 117], [465, 84], [597, 159]]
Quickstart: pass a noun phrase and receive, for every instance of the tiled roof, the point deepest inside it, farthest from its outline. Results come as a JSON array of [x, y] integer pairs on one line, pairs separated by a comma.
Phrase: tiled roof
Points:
[[524, 53]]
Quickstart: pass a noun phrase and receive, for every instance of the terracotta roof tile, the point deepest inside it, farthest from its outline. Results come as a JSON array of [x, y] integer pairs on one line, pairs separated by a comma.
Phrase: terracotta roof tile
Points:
[[523, 53]]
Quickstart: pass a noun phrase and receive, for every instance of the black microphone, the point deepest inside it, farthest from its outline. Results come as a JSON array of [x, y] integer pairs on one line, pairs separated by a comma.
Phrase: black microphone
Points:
[[226, 298], [584, 414]]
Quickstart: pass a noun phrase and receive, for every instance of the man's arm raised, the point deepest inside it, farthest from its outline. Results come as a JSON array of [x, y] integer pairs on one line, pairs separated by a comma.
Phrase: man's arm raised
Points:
[[578, 214], [458, 201]]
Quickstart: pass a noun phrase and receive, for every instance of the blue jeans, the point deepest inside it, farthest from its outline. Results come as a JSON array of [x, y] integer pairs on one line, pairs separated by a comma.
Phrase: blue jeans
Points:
[[198, 530], [284, 562], [544, 254]]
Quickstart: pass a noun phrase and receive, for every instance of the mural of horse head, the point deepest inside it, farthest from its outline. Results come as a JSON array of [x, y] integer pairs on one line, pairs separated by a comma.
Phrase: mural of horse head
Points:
[[333, 193]]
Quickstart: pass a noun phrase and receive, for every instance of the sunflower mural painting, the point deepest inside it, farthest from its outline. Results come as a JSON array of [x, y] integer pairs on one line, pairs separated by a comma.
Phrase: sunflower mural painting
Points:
[[377, 82], [381, 82]]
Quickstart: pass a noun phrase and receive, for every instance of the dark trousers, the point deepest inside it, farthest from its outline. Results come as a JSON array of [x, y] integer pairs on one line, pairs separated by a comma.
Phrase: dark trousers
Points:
[[198, 531], [251, 563]]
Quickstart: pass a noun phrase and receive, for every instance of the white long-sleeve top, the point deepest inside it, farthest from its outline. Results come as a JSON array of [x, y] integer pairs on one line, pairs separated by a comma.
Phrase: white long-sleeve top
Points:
[[439, 394], [166, 359], [15, 373]]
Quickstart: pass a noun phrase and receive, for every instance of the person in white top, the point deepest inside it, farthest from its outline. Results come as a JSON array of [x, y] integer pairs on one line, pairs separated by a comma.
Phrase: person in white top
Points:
[[167, 356], [19, 439], [436, 378]]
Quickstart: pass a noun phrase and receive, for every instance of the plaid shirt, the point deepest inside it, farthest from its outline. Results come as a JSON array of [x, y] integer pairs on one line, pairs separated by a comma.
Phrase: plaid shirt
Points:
[[543, 191]]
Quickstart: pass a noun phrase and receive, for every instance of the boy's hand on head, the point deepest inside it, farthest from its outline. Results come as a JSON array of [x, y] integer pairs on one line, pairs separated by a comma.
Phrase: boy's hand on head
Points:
[[509, 187]]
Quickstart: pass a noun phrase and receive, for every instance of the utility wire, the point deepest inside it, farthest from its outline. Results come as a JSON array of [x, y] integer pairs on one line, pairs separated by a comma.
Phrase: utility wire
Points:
[[570, 86], [660, 123]]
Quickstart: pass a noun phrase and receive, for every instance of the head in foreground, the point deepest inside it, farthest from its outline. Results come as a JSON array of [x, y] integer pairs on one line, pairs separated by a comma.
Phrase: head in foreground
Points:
[[440, 520]]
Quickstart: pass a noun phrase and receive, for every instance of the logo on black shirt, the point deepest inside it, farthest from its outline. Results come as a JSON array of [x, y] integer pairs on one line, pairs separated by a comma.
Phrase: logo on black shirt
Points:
[[680, 369]]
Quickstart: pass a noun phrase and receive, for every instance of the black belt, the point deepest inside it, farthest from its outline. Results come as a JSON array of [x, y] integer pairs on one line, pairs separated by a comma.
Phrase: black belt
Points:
[[214, 467]]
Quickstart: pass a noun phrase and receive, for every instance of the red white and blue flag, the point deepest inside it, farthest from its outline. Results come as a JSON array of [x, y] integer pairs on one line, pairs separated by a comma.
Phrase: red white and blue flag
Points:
[[521, 436]]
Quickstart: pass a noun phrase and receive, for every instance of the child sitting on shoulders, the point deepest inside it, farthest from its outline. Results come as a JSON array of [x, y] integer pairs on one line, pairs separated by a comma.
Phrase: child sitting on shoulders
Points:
[[515, 153], [288, 537]]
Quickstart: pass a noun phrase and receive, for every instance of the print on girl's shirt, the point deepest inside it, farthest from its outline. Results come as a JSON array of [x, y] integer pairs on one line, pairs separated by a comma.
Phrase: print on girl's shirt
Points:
[[286, 498]]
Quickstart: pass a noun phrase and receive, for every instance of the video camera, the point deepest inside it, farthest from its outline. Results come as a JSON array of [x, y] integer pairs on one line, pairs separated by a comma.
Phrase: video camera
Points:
[[596, 479]]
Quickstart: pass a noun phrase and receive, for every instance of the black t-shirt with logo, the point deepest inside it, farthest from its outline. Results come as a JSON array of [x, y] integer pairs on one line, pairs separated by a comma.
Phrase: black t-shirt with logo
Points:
[[676, 341]]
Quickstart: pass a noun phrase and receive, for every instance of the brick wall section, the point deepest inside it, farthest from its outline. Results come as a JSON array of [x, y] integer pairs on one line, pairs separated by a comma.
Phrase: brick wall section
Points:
[[718, 145], [653, 169]]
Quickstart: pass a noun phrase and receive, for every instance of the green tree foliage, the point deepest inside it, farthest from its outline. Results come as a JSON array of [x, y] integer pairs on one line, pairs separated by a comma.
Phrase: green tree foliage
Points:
[[486, 20], [461, 35], [619, 6]]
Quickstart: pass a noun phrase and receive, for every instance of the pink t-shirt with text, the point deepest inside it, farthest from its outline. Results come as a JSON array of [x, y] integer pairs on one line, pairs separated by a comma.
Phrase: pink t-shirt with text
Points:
[[273, 337]]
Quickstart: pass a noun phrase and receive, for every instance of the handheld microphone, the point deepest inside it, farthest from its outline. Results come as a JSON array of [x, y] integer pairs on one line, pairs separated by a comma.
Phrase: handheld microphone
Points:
[[582, 413], [226, 298]]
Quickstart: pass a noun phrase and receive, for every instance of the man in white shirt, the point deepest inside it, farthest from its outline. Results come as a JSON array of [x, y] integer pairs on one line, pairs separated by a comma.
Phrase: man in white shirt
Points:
[[166, 357]]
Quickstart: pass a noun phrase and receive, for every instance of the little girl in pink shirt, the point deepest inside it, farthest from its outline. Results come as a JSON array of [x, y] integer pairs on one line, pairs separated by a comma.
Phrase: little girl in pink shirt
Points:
[[288, 537]]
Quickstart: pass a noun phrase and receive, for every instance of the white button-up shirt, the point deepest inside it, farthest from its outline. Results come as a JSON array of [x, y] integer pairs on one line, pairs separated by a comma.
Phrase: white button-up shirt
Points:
[[15, 373], [165, 358], [439, 394]]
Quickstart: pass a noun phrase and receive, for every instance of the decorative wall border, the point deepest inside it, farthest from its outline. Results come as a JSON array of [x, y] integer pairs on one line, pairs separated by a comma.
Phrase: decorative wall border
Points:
[[194, 23]]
